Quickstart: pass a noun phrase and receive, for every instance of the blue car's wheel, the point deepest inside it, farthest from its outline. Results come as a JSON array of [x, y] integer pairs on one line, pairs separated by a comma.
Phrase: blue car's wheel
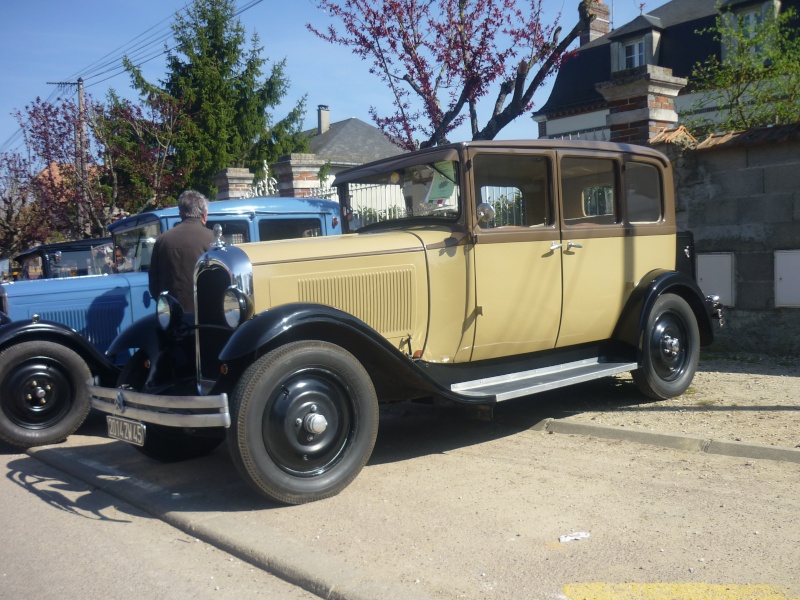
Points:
[[43, 396]]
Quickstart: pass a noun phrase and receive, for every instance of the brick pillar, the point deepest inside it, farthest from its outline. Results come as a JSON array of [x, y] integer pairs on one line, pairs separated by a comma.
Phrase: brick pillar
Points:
[[641, 102], [233, 182], [297, 175]]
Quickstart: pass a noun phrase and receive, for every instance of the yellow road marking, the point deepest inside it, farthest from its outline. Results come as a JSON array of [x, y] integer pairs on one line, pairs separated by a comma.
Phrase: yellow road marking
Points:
[[673, 591]]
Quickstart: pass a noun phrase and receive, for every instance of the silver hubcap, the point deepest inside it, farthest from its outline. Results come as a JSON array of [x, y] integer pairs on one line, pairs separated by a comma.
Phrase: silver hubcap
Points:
[[670, 346], [315, 423]]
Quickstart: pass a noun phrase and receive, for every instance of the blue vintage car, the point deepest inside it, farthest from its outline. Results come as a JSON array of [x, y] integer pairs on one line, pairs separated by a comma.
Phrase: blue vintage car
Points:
[[54, 332], [65, 259]]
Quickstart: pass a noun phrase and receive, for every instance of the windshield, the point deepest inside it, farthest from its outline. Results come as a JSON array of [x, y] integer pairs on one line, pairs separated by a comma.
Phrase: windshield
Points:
[[426, 192], [133, 247]]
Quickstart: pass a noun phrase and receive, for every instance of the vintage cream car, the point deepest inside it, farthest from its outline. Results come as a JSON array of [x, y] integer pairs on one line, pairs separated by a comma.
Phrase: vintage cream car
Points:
[[475, 272]]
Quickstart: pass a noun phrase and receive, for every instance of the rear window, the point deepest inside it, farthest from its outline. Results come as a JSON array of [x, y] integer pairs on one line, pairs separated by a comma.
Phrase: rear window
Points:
[[233, 232], [284, 229], [643, 193]]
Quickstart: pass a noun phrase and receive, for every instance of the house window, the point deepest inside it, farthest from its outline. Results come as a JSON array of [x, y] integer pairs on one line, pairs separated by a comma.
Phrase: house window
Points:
[[634, 54], [750, 21]]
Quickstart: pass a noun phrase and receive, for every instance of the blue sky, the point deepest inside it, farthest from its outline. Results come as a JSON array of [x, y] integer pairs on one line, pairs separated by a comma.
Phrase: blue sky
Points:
[[45, 41]]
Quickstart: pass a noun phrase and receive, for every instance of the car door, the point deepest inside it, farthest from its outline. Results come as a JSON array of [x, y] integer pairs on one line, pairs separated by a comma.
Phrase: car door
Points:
[[595, 255], [517, 260]]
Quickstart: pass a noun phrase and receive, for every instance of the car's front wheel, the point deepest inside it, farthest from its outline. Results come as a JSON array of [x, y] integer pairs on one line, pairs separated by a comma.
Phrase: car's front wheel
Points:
[[304, 422], [670, 349], [43, 395]]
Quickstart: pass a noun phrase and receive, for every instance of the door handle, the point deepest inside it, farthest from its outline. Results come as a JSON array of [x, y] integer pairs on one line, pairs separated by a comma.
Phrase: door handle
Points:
[[573, 245], [555, 246]]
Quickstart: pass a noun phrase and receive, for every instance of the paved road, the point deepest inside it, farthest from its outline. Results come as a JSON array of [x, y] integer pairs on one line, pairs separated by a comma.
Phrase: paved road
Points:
[[451, 507], [62, 539]]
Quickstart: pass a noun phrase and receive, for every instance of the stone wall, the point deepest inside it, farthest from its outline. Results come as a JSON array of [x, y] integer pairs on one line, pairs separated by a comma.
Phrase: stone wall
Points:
[[741, 194]]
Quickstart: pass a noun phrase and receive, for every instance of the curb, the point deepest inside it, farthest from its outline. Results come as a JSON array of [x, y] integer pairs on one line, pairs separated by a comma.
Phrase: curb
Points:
[[693, 443], [312, 570]]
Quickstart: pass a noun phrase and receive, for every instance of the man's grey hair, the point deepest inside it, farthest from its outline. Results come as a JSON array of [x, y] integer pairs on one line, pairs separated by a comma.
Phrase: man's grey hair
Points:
[[192, 204]]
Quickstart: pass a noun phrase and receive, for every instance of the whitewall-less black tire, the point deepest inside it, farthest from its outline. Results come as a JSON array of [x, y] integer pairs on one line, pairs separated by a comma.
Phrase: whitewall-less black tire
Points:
[[43, 395], [670, 349], [304, 422]]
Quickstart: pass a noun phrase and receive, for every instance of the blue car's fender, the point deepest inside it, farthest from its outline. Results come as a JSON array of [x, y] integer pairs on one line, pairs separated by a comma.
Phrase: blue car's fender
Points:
[[15, 332]]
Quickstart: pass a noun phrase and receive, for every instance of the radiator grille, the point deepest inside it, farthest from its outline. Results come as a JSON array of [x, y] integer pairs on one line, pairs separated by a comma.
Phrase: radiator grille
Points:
[[99, 324], [382, 300]]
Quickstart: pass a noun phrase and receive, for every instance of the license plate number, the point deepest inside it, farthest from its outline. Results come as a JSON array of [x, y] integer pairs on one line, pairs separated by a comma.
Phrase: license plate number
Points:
[[125, 430]]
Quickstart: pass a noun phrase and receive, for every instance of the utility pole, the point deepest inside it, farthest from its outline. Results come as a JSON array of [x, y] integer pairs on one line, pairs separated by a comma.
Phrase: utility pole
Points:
[[81, 168]]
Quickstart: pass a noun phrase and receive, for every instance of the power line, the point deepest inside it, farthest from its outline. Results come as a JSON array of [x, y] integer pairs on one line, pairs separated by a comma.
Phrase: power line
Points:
[[137, 51]]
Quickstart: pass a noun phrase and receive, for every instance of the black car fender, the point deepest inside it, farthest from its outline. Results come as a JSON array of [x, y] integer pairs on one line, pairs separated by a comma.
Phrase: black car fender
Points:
[[16, 332], [633, 320], [143, 333], [398, 376]]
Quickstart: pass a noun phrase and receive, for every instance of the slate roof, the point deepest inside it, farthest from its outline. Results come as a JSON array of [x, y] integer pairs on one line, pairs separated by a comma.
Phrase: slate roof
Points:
[[351, 142], [681, 48]]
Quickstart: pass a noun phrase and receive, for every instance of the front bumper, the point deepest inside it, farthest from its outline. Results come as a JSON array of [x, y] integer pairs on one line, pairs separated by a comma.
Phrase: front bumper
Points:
[[170, 411]]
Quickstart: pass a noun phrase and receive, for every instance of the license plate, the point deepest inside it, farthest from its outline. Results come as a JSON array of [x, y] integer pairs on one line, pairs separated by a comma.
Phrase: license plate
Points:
[[125, 430]]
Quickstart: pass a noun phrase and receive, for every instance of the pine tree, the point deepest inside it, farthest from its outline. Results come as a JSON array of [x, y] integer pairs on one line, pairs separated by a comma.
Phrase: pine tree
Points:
[[219, 83]]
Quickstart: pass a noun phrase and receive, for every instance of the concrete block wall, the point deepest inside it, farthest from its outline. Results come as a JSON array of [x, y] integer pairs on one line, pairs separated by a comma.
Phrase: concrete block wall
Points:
[[744, 198]]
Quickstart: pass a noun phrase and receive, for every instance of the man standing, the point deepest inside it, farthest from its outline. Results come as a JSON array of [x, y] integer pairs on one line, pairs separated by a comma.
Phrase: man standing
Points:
[[176, 251]]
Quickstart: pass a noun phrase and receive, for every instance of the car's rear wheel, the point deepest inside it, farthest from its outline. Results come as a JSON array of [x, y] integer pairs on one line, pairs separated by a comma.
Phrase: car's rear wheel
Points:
[[670, 349], [168, 444], [304, 422], [43, 395]]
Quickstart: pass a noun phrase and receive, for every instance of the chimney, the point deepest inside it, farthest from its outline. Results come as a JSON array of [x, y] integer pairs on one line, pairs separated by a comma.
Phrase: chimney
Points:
[[323, 119], [599, 25]]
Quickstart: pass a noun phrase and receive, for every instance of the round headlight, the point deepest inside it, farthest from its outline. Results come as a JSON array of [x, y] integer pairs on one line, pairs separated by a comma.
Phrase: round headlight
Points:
[[234, 307], [163, 311], [168, 311]]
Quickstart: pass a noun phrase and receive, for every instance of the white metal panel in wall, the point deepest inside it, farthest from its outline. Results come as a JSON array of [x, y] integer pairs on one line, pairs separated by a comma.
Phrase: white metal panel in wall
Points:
[[715, 276], [787, 278]]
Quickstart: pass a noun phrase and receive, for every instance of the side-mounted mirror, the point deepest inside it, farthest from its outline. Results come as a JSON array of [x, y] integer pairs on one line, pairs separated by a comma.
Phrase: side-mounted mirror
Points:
[[485, 213]]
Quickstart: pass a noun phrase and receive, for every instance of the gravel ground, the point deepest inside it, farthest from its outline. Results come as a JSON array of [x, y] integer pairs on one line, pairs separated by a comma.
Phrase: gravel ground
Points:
[[747, 398]]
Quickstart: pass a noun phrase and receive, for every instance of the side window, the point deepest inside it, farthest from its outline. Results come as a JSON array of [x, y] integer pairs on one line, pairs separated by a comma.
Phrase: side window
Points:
[[31, 268], [133, 248], [642, 193], [233, 232], [284, 229], [588, 191], [517, 187]]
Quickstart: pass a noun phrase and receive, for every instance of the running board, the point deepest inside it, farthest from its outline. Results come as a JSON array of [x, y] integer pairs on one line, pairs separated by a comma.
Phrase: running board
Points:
[[514, 385]]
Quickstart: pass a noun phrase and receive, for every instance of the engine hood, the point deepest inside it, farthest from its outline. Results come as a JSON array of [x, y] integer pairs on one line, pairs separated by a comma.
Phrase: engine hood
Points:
[[382, 278]]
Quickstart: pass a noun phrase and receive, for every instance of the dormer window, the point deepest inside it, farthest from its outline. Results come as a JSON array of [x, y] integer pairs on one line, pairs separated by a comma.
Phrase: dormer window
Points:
[[636, 44], [634, 54]]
